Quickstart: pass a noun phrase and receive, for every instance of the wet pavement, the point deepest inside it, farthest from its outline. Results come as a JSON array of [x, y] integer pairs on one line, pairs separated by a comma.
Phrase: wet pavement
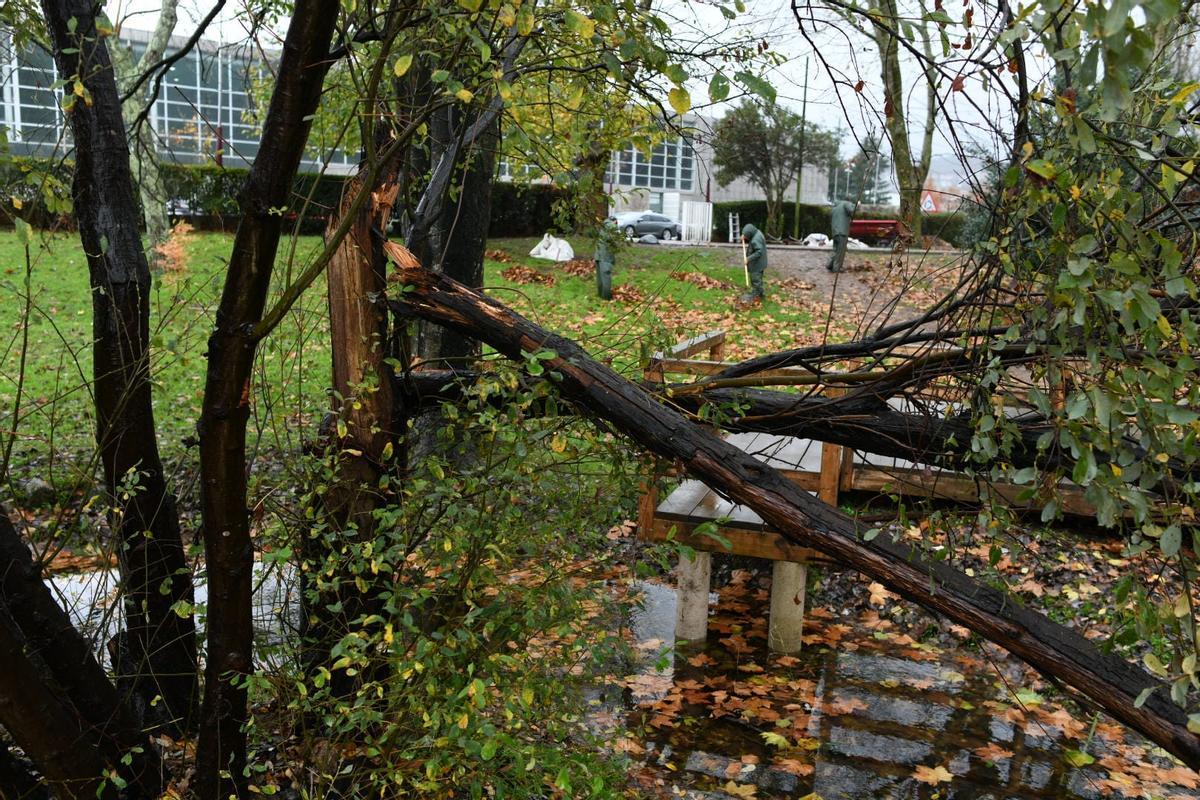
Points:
[[863, 712]]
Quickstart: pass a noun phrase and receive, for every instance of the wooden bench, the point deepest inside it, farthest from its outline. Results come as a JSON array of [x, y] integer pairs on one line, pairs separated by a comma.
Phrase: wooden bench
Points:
[[687, 515]]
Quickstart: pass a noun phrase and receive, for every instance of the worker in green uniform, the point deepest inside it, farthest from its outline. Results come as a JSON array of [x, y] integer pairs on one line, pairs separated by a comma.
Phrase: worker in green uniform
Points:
[[605, 259], [755, 245], [839, 223]]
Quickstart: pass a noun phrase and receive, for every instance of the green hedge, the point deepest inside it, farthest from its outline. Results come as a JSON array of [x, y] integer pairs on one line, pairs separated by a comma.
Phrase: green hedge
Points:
[[40, 187], [530, 209], [951, 227]]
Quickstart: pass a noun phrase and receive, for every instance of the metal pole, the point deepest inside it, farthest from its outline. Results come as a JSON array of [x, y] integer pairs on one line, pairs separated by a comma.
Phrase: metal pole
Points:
[[800, 169]]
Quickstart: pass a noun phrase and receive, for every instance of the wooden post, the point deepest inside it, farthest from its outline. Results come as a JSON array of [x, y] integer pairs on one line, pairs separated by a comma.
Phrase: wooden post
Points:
[[831, 464], [785, 630], [691, 612]]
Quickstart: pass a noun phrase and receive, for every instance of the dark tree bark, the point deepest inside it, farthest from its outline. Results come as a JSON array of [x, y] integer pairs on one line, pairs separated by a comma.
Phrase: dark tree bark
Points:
[[221, 751], [45, 724], [158, 645], [17, 781], [1058, 652], [457, 237], [66, 662]]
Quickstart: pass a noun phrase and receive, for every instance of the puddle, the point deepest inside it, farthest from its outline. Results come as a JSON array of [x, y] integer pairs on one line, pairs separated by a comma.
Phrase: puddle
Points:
[[90, 599], [861, 712]]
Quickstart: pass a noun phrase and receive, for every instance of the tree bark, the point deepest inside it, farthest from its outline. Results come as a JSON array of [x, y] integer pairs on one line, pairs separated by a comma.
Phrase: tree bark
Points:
[[45, 724], [158, 645], [458, 235], [66, 662], [362, 346], [17, 781], [1056, 651], [221, 750]]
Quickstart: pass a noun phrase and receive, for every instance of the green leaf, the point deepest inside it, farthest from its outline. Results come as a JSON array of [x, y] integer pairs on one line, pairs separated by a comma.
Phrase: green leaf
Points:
[[1144, 696], [757, 85], [402, 64], [525, 20], [471, 5], [718, 88], [1078, 758], [1194, 723], [1171, 539], [774, 739], [489, 749], [680, 100], [1042, 167]]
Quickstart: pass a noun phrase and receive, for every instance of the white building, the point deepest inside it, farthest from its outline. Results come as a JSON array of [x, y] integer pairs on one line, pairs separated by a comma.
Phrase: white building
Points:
[[681, 170]]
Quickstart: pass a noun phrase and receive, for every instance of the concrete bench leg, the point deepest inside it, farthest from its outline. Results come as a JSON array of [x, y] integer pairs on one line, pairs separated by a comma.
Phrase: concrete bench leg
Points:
[[786, 623], [691, 613]]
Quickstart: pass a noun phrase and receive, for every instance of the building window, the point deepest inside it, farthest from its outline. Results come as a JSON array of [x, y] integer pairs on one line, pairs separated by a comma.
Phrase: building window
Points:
[[670, 166]]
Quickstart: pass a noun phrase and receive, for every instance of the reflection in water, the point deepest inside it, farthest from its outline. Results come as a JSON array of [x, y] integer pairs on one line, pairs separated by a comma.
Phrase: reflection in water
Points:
[[861, 712]]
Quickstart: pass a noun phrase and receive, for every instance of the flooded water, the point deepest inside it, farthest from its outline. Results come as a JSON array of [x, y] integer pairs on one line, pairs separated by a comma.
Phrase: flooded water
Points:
[[90, 598], [861, 712]]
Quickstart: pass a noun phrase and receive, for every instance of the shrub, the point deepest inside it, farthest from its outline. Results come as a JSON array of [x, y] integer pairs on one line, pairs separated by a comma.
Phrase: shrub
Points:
[[477, 592]]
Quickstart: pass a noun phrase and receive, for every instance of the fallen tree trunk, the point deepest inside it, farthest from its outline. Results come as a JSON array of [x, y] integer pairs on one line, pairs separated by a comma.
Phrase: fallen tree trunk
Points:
[[1058, 652], [882, 430]]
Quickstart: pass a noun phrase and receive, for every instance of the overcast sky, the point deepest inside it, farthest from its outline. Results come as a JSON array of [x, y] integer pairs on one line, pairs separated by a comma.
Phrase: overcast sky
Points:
[[971, 113]]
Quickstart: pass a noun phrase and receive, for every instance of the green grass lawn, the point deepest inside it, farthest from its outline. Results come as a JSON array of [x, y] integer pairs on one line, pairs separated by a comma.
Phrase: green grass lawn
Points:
[[56, 422]]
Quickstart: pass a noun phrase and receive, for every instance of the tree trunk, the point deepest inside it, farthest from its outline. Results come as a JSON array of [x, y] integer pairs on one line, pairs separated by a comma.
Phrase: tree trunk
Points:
[[362, 345], [910, 177], [1058, 652], [159, 645], [144, 156], [458, 235], [45, 724], [17, 781], [221, 750], [65, 661]]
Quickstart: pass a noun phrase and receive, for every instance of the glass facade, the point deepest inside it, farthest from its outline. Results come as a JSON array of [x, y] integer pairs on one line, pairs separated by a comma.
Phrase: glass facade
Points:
[[203, 105], [669, 167]]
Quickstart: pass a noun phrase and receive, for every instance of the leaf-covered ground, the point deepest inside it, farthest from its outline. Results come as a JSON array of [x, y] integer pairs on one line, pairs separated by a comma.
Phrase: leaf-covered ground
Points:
[[886, 700]]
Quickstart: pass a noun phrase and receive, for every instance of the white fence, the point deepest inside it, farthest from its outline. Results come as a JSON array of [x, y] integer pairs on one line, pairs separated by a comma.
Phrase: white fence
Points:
[[697, 221]]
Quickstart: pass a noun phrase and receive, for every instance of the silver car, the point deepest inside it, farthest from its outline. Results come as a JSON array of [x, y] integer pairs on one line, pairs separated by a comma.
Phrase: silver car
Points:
[[639, 223]]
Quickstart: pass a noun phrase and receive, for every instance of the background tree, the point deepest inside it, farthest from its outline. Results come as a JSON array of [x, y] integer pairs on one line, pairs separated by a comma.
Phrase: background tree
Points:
[[901, 35], [867, 176], [760, 142], [138, 94]]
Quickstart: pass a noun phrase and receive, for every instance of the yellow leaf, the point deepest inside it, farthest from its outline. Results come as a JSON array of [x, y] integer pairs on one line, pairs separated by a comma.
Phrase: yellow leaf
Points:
[[740, 789], [17, 203], [933, 775], [402, 64], [525, 21], [465, 95], [507, 15], [581, 24], [1183, 93], [463, 722], [1164, 326], [680, 100], [774, 739]]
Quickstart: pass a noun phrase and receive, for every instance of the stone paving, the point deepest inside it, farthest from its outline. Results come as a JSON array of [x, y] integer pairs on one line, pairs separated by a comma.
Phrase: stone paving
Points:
[[865, 712]]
